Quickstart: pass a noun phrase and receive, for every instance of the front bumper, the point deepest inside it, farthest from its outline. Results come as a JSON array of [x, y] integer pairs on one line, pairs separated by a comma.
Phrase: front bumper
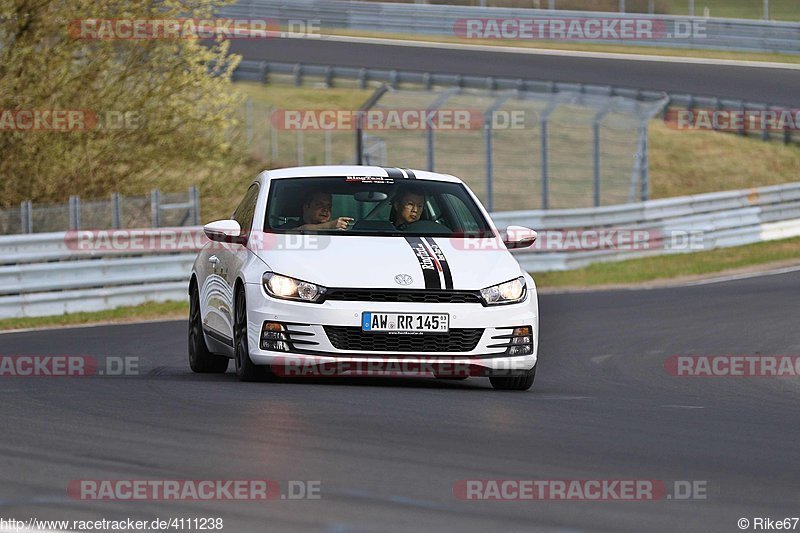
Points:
[[308, 321]]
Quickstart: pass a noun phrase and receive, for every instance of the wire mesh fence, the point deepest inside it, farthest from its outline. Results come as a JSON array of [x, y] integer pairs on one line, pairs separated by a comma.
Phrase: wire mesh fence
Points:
[[518, 150], [118, 212]]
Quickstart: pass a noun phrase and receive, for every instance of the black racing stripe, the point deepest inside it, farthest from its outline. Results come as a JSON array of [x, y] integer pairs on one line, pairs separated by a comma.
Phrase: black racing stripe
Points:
[[411, 174], [429, 271], [439, 254], [395, 173]]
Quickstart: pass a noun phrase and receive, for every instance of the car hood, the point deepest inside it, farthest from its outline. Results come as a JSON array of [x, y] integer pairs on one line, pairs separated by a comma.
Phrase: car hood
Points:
[[375, 262]]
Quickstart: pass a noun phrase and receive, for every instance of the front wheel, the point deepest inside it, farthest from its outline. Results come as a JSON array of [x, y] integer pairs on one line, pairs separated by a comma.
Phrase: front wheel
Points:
[[201, 360], [521, 382], [245, 369]]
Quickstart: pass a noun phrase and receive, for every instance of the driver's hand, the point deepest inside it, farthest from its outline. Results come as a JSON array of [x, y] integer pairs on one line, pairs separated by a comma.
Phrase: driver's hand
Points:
[[340, 223]]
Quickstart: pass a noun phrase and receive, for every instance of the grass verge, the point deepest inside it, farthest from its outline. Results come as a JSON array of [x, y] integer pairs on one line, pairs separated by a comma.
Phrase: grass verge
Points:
[[146, 311], [750, 257]]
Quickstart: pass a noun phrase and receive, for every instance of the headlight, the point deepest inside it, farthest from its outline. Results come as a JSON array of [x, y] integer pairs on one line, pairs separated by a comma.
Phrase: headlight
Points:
[[505, 293], [288, 288]]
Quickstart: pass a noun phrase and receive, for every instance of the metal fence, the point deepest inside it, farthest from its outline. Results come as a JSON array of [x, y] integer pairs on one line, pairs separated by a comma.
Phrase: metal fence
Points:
[[51, 274], [330, 76], [516, 149], [675, 32], [157, 210]]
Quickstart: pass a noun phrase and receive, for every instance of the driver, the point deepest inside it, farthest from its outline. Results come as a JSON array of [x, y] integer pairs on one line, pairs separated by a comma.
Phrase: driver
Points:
[[317, 214], [407, 208]]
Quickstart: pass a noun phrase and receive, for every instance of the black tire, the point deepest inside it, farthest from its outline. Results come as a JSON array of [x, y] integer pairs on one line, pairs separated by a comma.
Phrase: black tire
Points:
[[521, 382], [245, 369], [201, 360]]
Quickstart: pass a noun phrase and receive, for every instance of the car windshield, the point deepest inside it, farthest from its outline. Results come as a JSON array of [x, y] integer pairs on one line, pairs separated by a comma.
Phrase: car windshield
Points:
[[370, 205]]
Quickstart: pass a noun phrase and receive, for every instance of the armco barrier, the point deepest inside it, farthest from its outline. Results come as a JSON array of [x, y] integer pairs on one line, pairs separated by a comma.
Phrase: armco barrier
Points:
[[47, 274], [713, 33]]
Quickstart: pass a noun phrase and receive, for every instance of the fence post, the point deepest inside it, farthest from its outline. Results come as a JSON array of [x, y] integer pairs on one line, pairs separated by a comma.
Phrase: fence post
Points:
[[430, 143], [488, 134], [74, 213], [359, 137], [116, 210], [691, 8], [596, 162], [26, 216], [644, 162], [328, 147], [155, 208], [298, 74], [194, 199], [248, 120], [300, 148], [273, 135], [545, 166], [622, 6]]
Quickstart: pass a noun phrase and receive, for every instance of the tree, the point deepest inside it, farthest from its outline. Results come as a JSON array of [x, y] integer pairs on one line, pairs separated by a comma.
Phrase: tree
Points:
[[145, 110]]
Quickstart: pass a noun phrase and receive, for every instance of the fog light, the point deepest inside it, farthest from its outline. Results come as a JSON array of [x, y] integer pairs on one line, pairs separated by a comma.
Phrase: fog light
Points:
[[273, 338], [522, 341], [520, 350]]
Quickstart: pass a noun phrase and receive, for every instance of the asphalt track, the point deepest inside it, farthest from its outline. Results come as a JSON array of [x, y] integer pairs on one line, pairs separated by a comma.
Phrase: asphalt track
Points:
[[778, 86], [388, 451]]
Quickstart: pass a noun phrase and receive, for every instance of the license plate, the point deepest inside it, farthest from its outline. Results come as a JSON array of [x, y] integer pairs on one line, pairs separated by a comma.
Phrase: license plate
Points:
[[405, 322]]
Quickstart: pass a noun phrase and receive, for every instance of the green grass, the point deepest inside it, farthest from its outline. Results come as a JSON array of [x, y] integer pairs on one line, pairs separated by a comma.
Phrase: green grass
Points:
[[788, 10], [145, 311], [672, 266]]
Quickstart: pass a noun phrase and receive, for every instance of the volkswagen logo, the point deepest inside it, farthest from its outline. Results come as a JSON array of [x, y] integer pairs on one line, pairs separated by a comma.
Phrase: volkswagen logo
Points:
[[403, 279]]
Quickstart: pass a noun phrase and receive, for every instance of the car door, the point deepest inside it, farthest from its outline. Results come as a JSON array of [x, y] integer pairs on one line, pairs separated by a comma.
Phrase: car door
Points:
[[224, 264]]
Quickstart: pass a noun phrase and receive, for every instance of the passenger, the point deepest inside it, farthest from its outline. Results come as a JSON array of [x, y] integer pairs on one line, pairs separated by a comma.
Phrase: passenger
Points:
[[407, 208]]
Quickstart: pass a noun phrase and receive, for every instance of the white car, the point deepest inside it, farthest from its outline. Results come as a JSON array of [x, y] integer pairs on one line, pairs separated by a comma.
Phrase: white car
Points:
[[350, 268]]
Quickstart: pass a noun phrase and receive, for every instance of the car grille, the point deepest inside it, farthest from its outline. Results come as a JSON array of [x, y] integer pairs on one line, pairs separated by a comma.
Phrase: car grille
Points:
[[413, 296], [353, 339]]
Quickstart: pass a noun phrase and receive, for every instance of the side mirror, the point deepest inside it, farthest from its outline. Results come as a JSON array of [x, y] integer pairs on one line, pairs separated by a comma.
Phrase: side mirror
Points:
[[518, 237], [223, 231]]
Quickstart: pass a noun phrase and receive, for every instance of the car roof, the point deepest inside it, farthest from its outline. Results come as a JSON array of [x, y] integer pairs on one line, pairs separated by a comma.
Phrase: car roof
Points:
[[337, 171]]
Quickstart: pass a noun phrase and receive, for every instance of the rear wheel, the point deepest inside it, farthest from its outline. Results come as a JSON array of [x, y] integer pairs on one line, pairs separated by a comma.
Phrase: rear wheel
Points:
[[523, 381], [245, 369], [201, 360]]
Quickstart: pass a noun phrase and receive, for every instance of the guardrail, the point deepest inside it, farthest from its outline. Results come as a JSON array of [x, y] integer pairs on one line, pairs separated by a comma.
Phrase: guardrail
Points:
[[711, 33], [51, 274], [56, 273], [263, 71]]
